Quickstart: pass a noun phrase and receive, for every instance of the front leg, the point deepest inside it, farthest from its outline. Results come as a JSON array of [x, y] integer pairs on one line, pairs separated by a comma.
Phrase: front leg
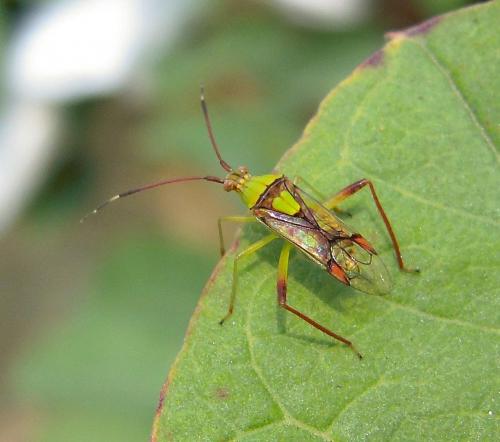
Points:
[[248, 251], [234, 219]]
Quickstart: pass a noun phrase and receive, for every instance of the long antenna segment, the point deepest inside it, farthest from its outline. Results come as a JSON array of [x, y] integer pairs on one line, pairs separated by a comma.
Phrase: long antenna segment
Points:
[[224, 165], [213, 179]]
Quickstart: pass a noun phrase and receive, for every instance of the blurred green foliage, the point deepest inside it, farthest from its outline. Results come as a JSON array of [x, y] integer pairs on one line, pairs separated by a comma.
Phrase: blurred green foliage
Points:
[[434, 7], [106, 363], [263, 80]]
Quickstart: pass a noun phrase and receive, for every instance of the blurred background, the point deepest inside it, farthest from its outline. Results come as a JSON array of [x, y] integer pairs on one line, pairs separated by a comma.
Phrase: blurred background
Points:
[[97, 97]]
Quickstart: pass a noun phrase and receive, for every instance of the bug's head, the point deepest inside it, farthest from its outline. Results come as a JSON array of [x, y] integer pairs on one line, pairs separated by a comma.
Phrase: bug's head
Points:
[[242, 182], [236, 179], [249, 187]]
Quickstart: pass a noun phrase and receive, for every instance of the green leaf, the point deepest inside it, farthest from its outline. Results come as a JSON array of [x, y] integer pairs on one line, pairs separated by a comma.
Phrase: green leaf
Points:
[[420, 118]]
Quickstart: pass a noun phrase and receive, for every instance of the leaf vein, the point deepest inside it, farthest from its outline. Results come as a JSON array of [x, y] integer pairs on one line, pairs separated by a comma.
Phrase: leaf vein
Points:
[[256, 430], [288, 418], [378, 383], [410, 195], [435, 317], [456, 90]]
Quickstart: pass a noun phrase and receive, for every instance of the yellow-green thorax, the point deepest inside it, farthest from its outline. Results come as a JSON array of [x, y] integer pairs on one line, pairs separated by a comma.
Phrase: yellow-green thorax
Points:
[[252, 188]]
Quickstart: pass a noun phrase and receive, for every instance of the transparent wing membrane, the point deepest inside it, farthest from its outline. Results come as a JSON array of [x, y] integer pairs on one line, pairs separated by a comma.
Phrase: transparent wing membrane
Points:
[[365, 270]]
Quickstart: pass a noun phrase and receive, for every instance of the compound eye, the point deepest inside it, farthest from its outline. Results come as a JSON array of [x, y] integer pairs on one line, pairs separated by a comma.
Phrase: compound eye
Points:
[[242, 170]]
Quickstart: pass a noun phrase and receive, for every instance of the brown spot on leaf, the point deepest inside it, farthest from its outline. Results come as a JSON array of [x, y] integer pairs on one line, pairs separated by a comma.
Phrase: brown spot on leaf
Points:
[[374, 60], [159, 408], [423, 28], [222, 393], [162, 398]]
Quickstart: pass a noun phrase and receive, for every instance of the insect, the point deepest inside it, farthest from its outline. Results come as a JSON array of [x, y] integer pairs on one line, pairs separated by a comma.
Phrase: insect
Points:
[[292, 214]]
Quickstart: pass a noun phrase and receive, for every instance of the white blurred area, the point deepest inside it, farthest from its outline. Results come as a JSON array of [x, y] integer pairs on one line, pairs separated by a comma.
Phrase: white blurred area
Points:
[[62, 52], [326, 14], [68, 50]]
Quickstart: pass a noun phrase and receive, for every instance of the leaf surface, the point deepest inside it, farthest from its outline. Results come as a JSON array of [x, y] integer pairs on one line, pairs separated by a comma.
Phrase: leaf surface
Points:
[[421, 119]]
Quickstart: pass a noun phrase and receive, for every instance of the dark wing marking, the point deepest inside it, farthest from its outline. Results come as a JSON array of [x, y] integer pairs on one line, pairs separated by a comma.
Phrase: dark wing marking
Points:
[[349, 250], [299, 232]]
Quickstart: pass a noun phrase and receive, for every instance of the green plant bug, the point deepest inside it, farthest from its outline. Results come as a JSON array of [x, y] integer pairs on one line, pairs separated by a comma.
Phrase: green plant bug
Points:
[[292, 214]]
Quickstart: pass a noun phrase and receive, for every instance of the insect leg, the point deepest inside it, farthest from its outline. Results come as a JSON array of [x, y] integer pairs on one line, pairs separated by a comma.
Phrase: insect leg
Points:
[[318, 194], [315, 191], [282, 301], [235, 219], [251, 249], [352, 189]]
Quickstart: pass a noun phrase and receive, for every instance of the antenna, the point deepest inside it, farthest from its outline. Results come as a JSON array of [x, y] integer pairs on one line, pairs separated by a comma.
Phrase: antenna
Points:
[[213, 179], [224, 165]]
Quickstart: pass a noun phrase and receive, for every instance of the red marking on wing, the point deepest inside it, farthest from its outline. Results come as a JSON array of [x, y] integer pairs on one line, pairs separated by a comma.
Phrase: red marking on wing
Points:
[[336, 271], [362, 242]]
